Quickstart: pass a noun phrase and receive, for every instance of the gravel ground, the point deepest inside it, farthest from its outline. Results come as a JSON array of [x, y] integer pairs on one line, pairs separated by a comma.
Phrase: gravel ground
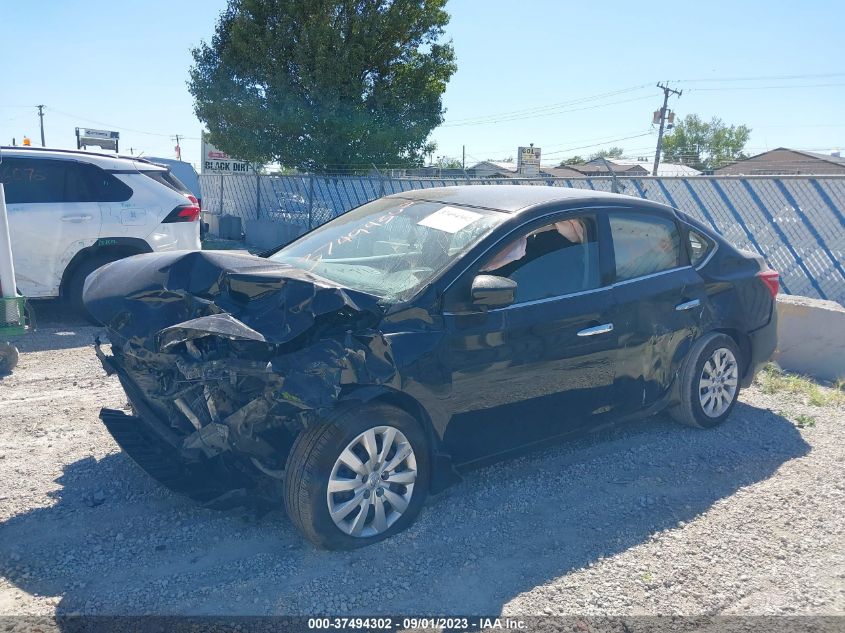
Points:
[[650, 519]]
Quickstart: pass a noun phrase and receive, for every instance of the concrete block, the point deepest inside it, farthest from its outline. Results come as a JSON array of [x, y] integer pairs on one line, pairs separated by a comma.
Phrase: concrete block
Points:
[[213, 221], [811, 337], [230, 227], [266, 234]]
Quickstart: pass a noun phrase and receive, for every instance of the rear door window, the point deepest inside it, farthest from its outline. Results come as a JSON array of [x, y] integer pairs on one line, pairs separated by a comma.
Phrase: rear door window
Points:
[[644, 244]]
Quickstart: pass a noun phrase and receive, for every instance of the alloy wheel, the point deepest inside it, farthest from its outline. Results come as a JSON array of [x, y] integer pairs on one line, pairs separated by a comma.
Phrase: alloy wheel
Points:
[[372, 482], [718, 382]]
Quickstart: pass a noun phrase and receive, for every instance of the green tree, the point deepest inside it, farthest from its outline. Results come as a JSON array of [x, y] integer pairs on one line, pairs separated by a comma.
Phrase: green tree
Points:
[[324, 84], [613, 152], [572, 160], [447, 162], [704, 145]]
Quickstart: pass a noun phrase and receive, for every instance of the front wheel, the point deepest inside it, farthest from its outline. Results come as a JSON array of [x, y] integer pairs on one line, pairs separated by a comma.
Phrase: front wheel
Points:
[[358, 478], [708, 382]]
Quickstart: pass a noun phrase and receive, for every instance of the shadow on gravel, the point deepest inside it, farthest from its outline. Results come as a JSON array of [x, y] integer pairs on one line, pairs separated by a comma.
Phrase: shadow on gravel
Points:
[[57, 328], [114, 543]]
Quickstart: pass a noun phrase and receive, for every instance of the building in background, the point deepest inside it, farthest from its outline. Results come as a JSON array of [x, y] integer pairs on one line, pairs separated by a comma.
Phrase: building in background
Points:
[[633, 168], [784, 161]]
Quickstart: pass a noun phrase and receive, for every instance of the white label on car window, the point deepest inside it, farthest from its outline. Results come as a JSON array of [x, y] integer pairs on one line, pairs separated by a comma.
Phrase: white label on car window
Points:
[[450, 219]]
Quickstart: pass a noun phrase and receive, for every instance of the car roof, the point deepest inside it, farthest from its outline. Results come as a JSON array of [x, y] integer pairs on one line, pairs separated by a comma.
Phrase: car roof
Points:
[[516, 198], [105, 161]]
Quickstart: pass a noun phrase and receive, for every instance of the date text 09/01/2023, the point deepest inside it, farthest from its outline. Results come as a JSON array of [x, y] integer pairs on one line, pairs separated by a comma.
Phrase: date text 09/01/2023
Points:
[[389, 624]]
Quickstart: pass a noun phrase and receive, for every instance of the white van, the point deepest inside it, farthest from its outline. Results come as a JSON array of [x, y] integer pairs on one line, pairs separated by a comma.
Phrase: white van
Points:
[[71, 212]]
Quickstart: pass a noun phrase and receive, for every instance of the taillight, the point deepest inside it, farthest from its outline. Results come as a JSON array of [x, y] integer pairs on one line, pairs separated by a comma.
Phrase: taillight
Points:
[[183, 213], [193, 199], [772, 280]]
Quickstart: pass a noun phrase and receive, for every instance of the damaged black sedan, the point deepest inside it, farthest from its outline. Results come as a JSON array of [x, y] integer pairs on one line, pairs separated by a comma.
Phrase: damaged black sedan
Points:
[[370, 361]]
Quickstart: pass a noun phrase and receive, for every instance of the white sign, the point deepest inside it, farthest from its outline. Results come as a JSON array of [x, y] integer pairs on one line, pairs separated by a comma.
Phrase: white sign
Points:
[[528, 161], [105, 139], [449, 219], [216, 162], [89, 133]]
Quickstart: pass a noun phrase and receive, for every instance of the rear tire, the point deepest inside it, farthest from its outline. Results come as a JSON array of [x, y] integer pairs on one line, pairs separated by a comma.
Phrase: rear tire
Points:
[[386, 495], [74, 287], [708, 383]]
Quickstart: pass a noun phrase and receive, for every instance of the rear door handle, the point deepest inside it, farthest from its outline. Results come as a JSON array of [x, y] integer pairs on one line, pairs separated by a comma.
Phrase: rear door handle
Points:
[[599, 329], [76, 218], [688, 305]]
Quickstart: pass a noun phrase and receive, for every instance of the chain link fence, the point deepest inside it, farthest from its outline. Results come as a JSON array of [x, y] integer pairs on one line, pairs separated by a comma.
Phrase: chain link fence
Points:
[[797, 223]]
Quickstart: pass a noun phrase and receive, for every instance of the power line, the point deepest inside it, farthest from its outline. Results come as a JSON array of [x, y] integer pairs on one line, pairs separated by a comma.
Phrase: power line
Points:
[[561, 104], [790, 87], [762, 77], [536, 116]]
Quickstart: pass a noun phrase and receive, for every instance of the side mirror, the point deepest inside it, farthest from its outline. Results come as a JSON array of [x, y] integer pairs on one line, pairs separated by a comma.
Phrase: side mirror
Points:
[[490, 291]]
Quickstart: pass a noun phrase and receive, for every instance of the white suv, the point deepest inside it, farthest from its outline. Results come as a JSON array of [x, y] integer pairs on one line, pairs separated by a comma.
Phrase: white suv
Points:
[[71, 212]]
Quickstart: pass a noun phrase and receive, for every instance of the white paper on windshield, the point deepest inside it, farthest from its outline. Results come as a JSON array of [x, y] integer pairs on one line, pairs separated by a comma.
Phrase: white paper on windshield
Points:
[[450, 219]]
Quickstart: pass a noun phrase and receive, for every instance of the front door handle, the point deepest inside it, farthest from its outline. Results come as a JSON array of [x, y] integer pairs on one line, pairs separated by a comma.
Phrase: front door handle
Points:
[[599, 329], [688, 305], [76, 218]]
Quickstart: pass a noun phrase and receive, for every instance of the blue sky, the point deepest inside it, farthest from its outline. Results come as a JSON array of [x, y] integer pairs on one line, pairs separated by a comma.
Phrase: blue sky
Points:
[[775, 66]]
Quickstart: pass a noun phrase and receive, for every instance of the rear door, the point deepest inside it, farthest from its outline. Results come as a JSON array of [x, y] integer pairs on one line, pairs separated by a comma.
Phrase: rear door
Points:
[[51, 217], [542, 366], [658, 304]]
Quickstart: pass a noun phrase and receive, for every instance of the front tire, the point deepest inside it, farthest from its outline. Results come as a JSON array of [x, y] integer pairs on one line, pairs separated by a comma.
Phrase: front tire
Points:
[[357, 478], [708, 382]]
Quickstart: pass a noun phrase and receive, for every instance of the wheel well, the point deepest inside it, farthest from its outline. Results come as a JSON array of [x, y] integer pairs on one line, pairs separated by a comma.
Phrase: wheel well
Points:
[[109, 248], [399, 400], [743, 342]]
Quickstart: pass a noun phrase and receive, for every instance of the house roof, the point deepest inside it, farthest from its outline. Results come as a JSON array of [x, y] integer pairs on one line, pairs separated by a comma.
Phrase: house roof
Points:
[[663, 169], [503, 165], [561, 172], [828, 158], [836, 160]]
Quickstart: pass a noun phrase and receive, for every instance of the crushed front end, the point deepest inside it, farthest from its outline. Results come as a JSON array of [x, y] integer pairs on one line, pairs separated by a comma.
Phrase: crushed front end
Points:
[[225, 358]]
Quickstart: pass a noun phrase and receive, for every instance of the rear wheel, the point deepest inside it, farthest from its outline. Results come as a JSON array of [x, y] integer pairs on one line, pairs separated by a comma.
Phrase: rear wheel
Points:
[[76, 283], [708, 382], [358, 478]]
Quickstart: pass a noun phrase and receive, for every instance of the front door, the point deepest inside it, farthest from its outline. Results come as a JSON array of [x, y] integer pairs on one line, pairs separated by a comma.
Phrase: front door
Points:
[[543, 366]]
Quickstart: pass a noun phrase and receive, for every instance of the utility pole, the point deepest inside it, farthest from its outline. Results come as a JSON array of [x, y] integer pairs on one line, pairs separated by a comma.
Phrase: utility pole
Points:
[[41, 116], [176, 138], [464, 157], [663, 112]]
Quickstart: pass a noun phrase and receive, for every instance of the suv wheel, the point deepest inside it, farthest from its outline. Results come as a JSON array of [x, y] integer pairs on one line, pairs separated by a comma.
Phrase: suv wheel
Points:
[[73, 290], [708, 382], [358, 478]]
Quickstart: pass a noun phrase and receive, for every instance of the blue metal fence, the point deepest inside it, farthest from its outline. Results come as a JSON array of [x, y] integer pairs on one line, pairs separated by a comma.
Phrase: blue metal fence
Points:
[[797, 223]]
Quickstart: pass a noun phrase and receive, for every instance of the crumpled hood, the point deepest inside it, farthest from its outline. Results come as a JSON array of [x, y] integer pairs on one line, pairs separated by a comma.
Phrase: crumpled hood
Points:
[[183, 294]]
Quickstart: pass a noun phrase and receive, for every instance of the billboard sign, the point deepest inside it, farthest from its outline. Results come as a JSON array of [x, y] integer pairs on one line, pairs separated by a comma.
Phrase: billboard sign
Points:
[[105, 139], [528, 161], [215, 161]]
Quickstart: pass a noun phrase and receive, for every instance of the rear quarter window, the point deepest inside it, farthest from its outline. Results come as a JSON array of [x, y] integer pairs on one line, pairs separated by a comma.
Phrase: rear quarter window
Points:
[[699, 247]]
